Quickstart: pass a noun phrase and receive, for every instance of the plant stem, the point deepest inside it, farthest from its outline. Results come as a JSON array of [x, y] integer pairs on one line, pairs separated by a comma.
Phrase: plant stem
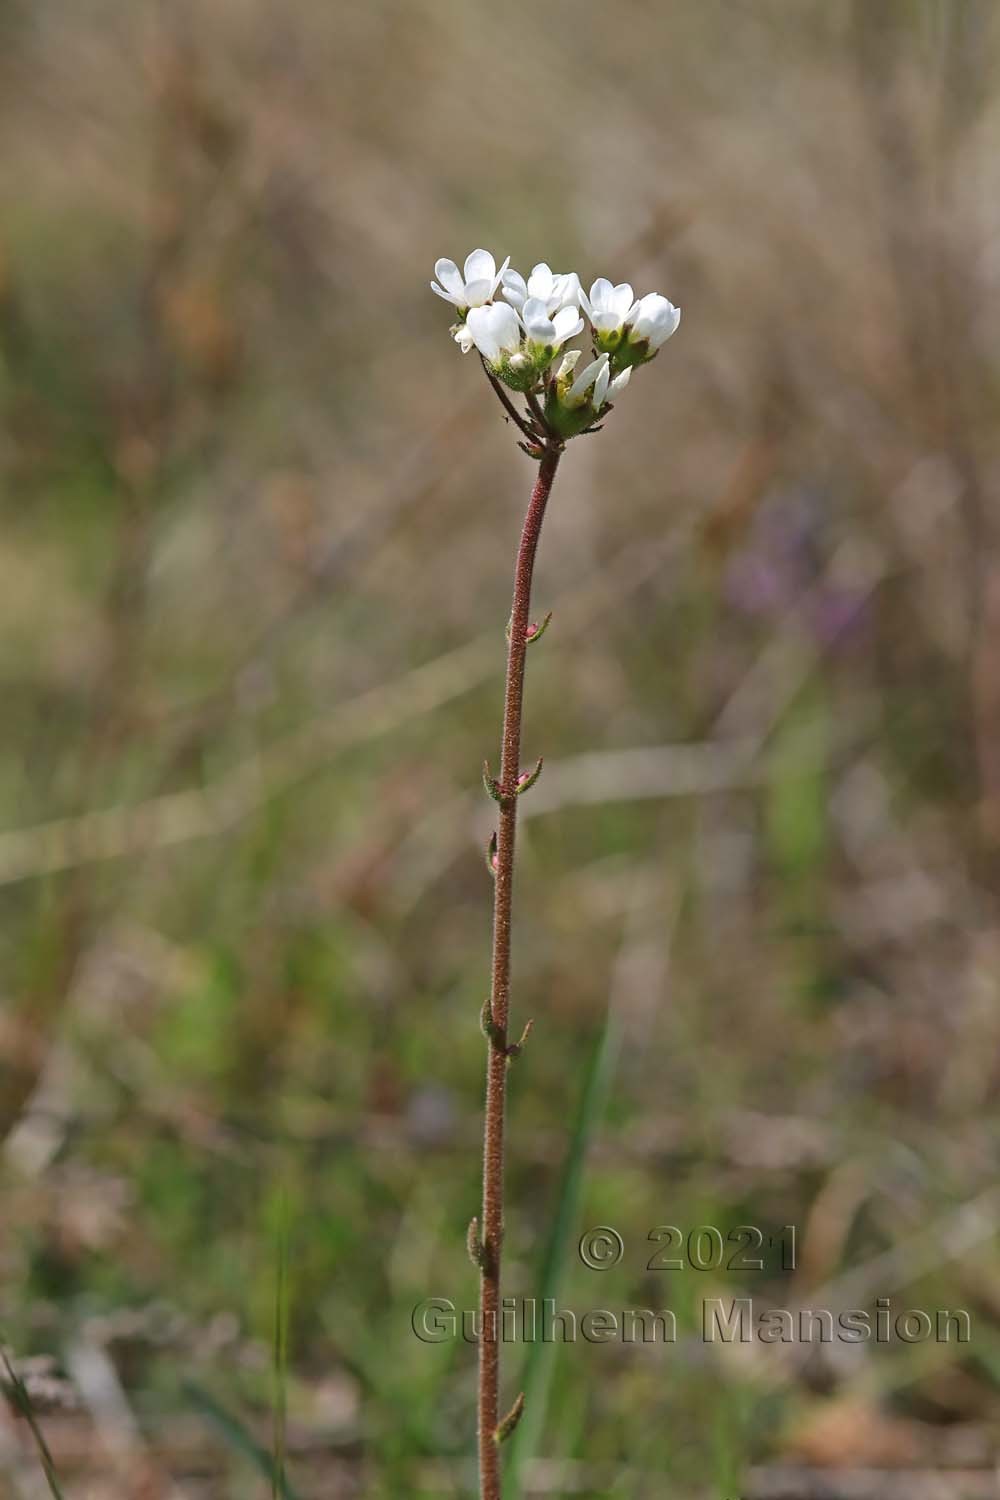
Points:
[[496, 1069], [509, 406]]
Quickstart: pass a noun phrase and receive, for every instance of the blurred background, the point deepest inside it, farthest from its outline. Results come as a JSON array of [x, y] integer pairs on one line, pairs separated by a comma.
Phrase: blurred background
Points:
[[255, 565]]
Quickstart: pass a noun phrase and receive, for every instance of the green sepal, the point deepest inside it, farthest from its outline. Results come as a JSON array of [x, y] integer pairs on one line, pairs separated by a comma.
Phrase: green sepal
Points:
[[568, 421], [521, 376], [632, 352]]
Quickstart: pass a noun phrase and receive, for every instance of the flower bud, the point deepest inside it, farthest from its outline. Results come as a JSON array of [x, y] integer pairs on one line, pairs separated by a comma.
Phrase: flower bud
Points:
[[574, 404]]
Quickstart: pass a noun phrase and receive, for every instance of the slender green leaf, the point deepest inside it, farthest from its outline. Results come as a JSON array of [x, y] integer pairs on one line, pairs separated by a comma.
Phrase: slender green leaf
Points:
[[235, 1435], [541, 1356], [22, 1401]]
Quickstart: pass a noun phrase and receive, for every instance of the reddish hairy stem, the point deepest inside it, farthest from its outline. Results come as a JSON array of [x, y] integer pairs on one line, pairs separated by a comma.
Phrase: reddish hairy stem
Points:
[[509, 406], [491, 1223]]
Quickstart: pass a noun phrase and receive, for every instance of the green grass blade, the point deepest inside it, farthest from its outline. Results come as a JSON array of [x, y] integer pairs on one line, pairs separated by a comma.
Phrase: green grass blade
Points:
[[235, 1435], [537, 1380], [280, 1354], [22, 1402]]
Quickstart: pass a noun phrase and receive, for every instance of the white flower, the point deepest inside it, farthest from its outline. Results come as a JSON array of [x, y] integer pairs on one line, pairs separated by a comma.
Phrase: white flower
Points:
[[549, 333], [653, 320], [597, 375], [608, 307], [574, 405], [494, 330], [556, 291], [463, 338], [476, 286]]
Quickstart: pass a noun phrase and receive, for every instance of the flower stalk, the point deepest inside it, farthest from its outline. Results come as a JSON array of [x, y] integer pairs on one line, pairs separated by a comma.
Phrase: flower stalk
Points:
[[518, 340], [498, 1056]]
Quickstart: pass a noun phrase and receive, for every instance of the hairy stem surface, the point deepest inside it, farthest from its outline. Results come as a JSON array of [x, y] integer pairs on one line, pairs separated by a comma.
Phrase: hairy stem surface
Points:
[[491, 1224]]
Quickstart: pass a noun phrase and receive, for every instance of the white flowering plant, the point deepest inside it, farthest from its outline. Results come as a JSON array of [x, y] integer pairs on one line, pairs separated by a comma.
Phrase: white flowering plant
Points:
[[519, 328]]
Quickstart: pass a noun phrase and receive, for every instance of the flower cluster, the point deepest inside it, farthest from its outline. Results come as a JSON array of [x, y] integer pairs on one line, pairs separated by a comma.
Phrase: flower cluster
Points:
[[520, 327]]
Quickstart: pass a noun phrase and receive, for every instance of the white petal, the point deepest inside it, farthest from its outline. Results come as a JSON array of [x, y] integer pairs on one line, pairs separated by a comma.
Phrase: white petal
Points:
[[503, 325], [605, 322], [455, 301], [537, 323], [567, 289], [541, 282], [567, 324], [450, 278], [666, 325], [621, 300], [585, 378], [601, 294], [568, 363], [477, 292], [463, 337], [500, 274], [643, 314], [478, 324], [601, 385], [619, 383], [480, 266], [514, 288]]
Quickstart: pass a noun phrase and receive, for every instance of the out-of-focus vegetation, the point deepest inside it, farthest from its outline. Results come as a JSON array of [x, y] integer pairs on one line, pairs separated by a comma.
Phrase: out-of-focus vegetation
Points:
[[259, 516]]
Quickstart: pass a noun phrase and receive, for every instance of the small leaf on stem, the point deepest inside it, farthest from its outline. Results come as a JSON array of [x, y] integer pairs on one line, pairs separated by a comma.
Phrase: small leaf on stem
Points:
[[518, 1047], [535, 632], [474, 1245], [491, 1031], [491, 784], [527, 779], [510, 1421]]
